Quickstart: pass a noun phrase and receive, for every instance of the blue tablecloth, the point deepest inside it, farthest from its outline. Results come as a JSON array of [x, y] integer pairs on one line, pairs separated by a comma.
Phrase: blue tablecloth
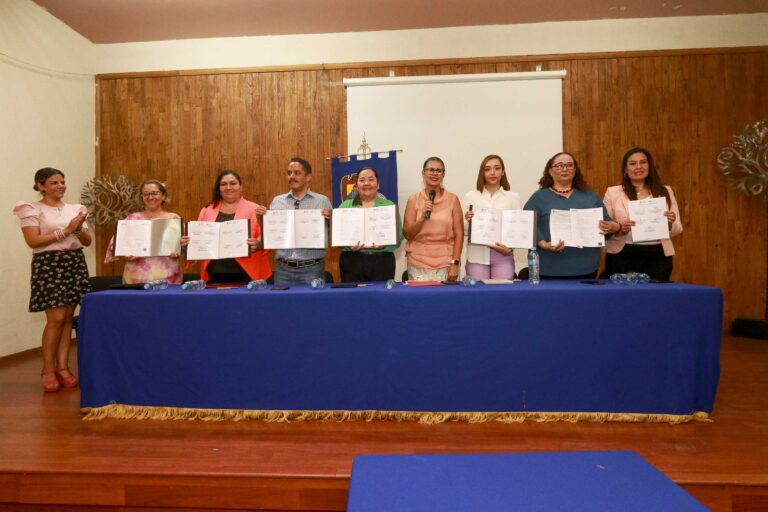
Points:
[[531, 482], [558, 346]]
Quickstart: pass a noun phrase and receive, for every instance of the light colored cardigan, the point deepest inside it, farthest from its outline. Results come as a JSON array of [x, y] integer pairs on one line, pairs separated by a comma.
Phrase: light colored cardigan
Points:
[[617, 204]]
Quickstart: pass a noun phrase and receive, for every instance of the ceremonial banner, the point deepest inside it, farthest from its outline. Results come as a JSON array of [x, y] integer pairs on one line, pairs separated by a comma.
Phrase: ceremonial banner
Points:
[[343, 175]]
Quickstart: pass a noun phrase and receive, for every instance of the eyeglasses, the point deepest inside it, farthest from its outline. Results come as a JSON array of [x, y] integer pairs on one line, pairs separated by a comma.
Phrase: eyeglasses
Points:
[[432, 170], [151, 194], [561, 166], [296, 204]]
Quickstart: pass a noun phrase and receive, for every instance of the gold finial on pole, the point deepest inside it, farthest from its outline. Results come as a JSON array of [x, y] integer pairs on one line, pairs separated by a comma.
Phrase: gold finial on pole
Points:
[[364, 149]]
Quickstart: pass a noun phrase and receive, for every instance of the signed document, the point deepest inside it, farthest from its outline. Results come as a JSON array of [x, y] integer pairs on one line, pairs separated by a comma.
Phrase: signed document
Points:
[[294, 229], [218, 240], [375, 226], [650, 222], [577, 227], [144, 238], [560, 227], [512, 228]]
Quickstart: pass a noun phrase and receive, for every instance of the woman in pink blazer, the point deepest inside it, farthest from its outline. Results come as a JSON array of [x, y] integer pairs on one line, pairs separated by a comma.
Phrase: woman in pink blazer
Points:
[[639, 180]]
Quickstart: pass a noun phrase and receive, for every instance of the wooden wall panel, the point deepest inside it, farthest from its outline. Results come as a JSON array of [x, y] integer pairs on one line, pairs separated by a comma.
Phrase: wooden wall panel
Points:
[[683, 106]]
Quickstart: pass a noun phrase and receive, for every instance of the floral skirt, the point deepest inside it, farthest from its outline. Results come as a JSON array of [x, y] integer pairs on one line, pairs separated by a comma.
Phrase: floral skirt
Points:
[[59, 278], [428, 274]]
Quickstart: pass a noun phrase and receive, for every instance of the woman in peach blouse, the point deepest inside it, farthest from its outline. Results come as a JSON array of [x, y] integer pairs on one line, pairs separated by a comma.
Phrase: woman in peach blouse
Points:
[[434, 228], [639, 180]]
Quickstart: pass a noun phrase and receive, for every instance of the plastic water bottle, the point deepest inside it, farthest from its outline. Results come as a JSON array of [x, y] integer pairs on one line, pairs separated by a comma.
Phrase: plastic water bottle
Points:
[[618, 278], [468, 281], [157, 284], [318, 283], [631, 279], [258, 284], [533, 267], [199, 284], [390, 284]]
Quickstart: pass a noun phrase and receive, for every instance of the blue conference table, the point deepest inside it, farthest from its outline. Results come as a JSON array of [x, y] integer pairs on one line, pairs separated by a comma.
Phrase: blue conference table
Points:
[[556, 347], [542, 482]]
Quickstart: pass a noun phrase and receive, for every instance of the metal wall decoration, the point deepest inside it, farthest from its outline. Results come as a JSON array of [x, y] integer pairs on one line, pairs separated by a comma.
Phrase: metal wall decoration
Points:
[[110, 198], [745, 162]]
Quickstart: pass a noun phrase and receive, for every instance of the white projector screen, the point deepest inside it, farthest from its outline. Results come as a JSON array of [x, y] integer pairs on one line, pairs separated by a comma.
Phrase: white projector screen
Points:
[[461, 119]]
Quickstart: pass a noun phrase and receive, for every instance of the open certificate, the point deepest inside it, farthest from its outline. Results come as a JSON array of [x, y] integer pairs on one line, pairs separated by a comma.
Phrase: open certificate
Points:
[[375, 226], [144, 238], [294, 229], [577, 227], [218, 240], [650, 222], [512, 228]]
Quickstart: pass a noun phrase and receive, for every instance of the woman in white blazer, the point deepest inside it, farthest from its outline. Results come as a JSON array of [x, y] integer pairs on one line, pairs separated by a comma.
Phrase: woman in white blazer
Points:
[[497, 261], [639, 180]]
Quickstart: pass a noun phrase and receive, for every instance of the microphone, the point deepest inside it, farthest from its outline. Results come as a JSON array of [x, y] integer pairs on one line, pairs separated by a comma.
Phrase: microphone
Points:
[[431, 199]]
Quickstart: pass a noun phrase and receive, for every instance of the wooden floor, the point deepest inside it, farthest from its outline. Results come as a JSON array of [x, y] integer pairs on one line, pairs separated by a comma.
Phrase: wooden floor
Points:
[[52, 460]]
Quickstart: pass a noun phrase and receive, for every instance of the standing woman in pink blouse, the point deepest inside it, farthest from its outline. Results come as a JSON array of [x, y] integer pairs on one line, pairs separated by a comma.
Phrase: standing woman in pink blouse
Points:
[[56, 232]]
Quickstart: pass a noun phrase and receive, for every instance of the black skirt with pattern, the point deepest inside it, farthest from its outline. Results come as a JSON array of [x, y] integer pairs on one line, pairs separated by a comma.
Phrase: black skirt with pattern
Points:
[[59, 278]]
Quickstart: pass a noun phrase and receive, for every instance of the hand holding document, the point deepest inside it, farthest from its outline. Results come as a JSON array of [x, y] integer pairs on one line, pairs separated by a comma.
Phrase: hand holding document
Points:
[[373, 227], [512, 228], [145, 238], [650, 222], [218, 240], [294, 229], [577, 227]]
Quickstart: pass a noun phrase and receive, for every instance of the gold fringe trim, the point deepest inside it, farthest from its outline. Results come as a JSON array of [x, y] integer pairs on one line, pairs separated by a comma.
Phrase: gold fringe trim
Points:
[[121, 411]]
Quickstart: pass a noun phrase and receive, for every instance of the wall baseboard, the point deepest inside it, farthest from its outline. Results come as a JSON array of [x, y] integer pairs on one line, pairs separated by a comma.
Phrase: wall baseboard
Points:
[[746, 328]]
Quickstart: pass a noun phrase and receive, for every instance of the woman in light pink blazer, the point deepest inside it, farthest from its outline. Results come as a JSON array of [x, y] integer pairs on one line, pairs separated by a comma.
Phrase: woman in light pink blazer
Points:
[[639, 180]]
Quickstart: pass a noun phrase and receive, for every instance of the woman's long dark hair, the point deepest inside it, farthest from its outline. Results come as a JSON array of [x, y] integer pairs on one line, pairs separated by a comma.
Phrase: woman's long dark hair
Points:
[[356, 200], [216, 190], [652, 181], [578, 182]]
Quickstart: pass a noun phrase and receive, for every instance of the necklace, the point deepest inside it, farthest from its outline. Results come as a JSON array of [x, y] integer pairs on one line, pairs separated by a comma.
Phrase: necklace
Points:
[[561, 192], [58, 206]]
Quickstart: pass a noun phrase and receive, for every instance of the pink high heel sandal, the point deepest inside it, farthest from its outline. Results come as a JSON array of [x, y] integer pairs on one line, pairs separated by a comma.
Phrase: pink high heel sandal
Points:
[[50, 385], [70, 381]]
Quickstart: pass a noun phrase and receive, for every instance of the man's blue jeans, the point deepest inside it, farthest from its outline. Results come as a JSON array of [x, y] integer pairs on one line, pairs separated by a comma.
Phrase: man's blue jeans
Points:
[[285, 274]]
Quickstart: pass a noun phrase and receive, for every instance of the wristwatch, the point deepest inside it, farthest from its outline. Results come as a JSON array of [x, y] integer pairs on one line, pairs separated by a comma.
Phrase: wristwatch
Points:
[[455, 262]]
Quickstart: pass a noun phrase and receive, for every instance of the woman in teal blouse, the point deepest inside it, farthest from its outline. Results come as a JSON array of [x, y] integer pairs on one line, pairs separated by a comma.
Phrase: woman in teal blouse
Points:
[[373, 263]]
